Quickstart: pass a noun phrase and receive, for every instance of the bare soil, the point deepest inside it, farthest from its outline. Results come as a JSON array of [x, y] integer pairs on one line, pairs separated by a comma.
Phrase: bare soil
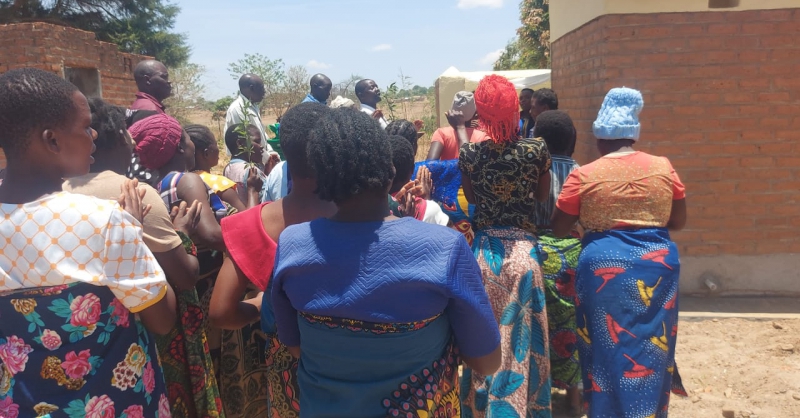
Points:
[[744, 368]]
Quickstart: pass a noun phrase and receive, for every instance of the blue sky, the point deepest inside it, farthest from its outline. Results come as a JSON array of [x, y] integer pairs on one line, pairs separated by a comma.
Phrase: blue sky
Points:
[[344, 37]]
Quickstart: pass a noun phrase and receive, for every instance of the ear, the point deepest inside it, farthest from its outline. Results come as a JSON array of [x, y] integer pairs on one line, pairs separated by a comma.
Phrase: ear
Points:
[[206, 153], [50, 141]]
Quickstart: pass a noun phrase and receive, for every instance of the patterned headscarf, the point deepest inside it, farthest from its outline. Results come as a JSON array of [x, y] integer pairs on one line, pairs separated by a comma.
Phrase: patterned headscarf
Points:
[[498, 108], [157, 138]]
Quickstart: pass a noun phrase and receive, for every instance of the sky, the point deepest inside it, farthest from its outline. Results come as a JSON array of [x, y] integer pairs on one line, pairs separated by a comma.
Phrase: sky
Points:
[[377, 40]]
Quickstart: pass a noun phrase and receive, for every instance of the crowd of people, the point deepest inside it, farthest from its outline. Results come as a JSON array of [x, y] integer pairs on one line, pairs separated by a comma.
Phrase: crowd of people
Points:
[[331, 275]]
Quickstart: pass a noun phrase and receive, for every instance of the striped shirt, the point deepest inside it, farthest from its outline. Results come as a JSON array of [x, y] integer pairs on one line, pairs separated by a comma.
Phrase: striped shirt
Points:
[[559, 171]]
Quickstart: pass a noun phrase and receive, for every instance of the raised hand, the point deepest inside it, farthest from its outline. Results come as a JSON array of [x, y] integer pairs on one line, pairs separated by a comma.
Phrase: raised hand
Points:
[[185, 218], [130, 199]]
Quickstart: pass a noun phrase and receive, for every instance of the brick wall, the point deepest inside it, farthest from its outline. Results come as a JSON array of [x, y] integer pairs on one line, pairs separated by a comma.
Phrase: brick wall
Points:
[[52, 47], [722, 101]]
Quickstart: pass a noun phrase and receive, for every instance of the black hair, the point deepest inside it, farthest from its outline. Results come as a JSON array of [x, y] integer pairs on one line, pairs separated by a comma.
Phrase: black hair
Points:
[[526, 90], [133, 116], [403, 161], [361, 86], [296, 127], [557, 130], [546, 97], [233, 137], [350, 154], [32, 99], [404, 128], [202, 137], [109, 123]]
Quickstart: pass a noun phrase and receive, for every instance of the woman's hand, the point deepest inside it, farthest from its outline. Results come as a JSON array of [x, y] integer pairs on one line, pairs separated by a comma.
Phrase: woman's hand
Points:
[[425, 183], [185, 218], [455, 118], [407, 204], [273, 160], [130, 199], [254, 181]]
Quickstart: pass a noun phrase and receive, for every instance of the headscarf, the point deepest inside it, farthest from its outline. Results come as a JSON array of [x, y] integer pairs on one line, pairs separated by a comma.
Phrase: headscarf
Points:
[[498, 108], [157, 138], [618, 118], [465, 102], [340, 101]]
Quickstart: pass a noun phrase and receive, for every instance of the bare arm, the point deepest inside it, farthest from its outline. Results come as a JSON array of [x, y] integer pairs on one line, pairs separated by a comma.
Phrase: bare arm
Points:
[[677, 218], [232, 198], [487, 364], [180, 268], [435, 151], [160, 318], [562, 223], [227, 310], [190, 188], [543, 189]]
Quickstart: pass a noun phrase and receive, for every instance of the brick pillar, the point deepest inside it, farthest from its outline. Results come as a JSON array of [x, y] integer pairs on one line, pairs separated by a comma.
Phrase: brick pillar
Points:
[[722, 101]]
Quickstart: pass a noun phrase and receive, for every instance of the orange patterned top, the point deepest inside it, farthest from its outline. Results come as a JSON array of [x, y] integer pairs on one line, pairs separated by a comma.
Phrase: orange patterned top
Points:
[[622, 191]]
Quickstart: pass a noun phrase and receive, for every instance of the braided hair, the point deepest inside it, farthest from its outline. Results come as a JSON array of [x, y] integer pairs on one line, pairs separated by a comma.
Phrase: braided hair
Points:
[[403, 161], [296, 126], [350, 154], [202, 137], [31, 99]]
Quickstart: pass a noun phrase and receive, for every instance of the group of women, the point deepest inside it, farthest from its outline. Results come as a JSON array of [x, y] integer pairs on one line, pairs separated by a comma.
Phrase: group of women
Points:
[[324, 303]]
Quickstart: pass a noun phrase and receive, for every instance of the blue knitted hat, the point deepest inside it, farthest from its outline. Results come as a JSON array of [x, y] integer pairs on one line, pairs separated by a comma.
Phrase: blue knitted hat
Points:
[[619, 116]]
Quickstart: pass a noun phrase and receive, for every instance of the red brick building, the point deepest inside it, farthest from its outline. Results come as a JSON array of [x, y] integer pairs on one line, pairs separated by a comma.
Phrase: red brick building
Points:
[[722, 101], [97, 68]]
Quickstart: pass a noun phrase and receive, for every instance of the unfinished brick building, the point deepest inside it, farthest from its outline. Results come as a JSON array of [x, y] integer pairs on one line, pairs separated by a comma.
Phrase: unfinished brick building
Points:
[[99, 69], [722, 101]]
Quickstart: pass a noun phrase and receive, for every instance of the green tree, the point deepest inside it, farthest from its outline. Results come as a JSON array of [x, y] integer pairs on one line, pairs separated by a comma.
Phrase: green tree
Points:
[[531, 48], [137, 26], [271, 71], [187, 91]]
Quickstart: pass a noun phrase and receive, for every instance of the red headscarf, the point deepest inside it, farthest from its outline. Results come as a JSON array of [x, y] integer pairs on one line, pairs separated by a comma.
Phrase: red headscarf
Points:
[[157, 138], [498, 108]]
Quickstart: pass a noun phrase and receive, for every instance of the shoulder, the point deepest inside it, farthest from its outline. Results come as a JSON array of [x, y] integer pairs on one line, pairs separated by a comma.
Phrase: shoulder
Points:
[[73, 208], [536, 145], [424, 233]]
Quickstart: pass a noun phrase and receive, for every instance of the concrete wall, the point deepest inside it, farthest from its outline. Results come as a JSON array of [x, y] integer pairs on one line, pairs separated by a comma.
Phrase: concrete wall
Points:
[[56, 48], [568, 15], [722, 101]]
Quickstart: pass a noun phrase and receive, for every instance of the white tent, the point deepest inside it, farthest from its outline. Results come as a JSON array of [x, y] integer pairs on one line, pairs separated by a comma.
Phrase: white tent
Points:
[[452, 81]]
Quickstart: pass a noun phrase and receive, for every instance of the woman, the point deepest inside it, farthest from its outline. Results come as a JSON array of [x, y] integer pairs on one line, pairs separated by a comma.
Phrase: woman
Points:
[[206, 157], [627, 276], [251, 238], [445, 142], [77, 310], [186, 352], [504, 177], [378, 320], [559, 258]]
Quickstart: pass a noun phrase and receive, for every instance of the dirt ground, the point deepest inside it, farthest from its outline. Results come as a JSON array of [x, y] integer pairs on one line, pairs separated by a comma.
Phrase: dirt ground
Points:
[[747, 368]]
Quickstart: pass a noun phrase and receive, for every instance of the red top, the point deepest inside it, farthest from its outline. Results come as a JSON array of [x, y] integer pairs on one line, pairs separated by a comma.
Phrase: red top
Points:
[[145, 101], [249, 246], [447, 136]]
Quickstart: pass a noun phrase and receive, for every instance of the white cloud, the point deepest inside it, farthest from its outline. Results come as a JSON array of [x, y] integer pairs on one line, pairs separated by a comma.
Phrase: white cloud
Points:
[[317, 65], [471, 4], [381, 47], [492, 57]]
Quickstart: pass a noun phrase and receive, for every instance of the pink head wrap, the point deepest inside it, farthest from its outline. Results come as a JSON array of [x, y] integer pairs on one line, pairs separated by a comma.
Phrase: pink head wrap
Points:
[[157, 137]]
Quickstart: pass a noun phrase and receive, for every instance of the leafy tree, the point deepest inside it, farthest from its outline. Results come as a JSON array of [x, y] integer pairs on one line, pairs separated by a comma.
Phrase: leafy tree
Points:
[[137, 26], [531, 48], [292, 90], [346, 88], [271, 71], [187, 91]]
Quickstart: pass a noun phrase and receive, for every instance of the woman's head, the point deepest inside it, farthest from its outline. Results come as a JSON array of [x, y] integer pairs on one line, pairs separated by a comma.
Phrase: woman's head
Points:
[[498, 108], [351, 156], [45, 119], [161, 140], [114, 144], [236, 142], [618, 118], [403, 161], [557, 130], [296, 126], [406, 129], [206, 154]]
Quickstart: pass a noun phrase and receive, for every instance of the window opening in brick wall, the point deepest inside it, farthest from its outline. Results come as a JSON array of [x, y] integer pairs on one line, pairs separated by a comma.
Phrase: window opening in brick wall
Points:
[[722, 4], [86, 79]]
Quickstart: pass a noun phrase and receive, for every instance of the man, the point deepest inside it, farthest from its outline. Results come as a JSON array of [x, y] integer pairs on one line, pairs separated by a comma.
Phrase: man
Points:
[[369, 95], [152, 80], [543, 100], [526, 119], [251, 88], [320, 89]]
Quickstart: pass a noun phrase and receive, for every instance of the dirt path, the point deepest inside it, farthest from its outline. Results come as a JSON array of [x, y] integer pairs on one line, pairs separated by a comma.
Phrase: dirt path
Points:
[[747, 368]]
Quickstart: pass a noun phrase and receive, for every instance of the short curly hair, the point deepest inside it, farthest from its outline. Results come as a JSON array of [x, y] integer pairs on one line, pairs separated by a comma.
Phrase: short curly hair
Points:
[[201, 136], [547, 97], [109, 123], [557, 130], [296, 126], [403, 161], [32, 99], [404, 128], [233, 138], [350, 154]]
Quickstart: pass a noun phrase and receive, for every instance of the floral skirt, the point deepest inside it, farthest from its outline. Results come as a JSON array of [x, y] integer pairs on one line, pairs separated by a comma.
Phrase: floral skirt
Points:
[[512, 276]]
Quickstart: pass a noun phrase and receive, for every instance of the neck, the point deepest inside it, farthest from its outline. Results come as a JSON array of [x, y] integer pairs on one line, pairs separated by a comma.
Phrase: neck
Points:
[[175, 164], [303, 191], [617, 145], [367, 207], [525, 114], [105, 162], [372, 105], [25, 183]]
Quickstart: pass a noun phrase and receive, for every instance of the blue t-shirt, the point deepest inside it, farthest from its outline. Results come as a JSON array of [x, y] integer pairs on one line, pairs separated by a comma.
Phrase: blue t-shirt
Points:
[[385, 272]]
